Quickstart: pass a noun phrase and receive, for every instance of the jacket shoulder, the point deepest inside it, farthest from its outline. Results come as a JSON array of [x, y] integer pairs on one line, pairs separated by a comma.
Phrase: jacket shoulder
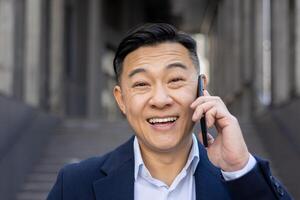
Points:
[[85, 168], [77, 179]]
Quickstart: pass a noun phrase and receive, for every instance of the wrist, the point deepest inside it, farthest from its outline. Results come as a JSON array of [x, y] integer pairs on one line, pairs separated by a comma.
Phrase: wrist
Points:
[[237, 165], [228, 176]]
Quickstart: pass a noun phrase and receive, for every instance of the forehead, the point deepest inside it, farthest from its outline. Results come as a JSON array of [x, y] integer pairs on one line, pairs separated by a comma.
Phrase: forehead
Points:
[[161, 54]]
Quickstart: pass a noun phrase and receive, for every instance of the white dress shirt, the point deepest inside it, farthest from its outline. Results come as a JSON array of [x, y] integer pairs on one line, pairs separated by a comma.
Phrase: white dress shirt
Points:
[[183, 187]]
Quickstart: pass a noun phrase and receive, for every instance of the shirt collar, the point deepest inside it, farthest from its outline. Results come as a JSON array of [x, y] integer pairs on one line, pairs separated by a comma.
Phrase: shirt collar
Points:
[[191, 163]]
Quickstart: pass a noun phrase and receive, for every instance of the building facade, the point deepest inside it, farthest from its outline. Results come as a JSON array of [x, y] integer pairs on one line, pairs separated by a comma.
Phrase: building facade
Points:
[[56, 55]]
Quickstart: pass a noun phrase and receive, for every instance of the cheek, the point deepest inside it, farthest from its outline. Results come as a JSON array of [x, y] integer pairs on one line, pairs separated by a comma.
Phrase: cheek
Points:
[[186, 96], [135, 105]]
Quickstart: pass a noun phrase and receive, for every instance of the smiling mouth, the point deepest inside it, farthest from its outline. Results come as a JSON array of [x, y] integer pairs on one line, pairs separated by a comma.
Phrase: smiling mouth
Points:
[[162, 120]]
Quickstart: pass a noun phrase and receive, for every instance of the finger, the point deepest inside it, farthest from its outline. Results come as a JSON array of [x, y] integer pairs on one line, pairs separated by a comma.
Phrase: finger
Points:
[[198, 113], [198, 101], [201, 109], [203, 99], [210, 117], [210, 139]]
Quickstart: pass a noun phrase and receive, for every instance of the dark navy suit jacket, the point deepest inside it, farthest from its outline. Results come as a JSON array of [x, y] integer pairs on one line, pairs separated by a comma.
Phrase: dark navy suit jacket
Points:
[[111, 177]]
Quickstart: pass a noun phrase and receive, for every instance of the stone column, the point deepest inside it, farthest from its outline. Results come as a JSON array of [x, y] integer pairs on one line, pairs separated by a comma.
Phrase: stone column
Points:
[[226, 83], [235, 90], [57, 56], [280, 52], [258, 54], [247, 58], [19, 40], [220, 70], [247, 40], [95, 77], [297, 48], [235, 63], [32, 57], [6, 46]]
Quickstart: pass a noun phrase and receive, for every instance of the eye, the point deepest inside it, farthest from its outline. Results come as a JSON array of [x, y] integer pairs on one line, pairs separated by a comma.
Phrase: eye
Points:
[[177, 79], [140, 84], [176, 82]]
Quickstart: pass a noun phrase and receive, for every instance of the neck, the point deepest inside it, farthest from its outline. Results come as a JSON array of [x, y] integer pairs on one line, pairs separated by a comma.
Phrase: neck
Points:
[[165, 166]]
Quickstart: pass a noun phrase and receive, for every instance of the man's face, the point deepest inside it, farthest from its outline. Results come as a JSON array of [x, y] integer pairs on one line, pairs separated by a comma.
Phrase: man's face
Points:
[[157, 86]]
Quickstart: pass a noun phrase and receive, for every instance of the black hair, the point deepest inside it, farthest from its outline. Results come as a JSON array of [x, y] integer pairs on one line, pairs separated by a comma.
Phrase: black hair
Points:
[[152, 34]]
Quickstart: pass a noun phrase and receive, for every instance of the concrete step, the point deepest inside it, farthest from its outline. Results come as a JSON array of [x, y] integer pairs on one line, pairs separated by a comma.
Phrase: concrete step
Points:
[[41, 186], [38, 177], [31, 196], [75, 140]]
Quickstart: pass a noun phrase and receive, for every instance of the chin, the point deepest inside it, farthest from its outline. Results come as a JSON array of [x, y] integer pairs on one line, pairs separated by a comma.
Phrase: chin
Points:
[[166, 146]]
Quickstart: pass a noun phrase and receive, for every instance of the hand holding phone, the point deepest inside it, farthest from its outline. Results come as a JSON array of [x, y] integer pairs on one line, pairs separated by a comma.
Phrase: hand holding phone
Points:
[[202, 120]]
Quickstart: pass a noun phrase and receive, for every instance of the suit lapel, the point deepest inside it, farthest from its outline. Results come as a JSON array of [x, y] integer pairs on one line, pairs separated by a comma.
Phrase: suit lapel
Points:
[[118, 185], [119, 180], [208, 179]]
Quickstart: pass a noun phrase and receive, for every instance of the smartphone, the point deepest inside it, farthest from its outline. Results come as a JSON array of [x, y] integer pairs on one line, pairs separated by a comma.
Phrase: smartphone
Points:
[[202, 120]]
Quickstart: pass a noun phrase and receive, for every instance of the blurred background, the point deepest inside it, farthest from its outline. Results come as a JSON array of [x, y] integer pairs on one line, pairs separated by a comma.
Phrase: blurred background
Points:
[[56, 79]]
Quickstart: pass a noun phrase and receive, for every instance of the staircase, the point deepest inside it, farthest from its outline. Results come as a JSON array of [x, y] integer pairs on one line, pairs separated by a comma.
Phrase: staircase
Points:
[[74, 140]]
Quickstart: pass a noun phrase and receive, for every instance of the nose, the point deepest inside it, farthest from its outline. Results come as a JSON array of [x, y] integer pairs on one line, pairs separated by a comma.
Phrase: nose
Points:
[[160, 98]]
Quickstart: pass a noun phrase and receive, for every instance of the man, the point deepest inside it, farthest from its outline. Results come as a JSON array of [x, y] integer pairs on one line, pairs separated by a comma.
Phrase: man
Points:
[[157, 69]]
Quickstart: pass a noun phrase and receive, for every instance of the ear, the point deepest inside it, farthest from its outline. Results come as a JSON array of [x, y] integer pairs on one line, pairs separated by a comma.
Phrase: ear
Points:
[[119, 98]]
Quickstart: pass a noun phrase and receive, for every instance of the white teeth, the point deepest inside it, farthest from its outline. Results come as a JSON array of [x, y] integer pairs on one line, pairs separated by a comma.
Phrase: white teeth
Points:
[[161, 120]]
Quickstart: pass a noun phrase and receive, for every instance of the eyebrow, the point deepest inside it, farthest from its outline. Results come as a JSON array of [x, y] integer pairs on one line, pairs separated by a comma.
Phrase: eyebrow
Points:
[[176, 64], [170, 66], [135, 71]]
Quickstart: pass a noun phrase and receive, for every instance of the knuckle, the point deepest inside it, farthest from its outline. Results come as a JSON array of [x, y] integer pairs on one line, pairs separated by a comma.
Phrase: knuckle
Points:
[[233, 118], [199, 110], [218, 98]]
